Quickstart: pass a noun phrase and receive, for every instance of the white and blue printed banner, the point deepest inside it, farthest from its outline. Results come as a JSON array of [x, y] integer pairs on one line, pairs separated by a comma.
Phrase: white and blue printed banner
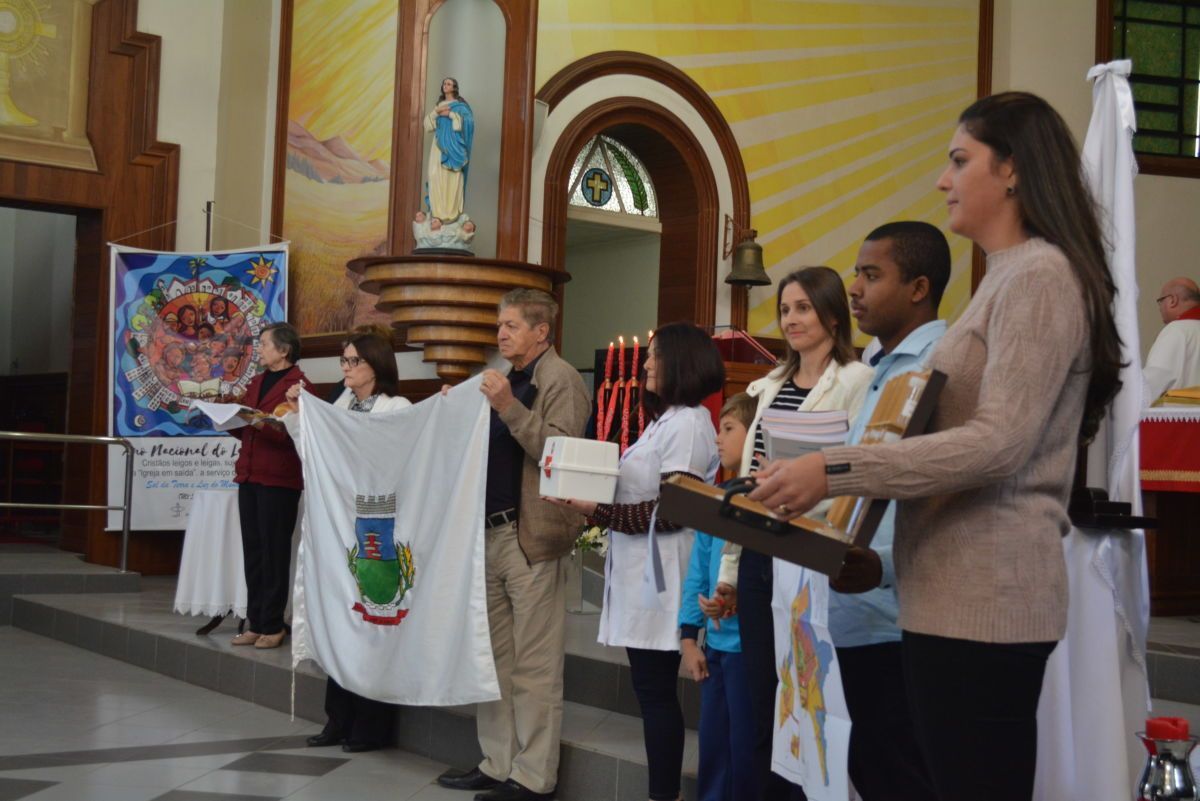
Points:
[[184, 327], [389, 597]]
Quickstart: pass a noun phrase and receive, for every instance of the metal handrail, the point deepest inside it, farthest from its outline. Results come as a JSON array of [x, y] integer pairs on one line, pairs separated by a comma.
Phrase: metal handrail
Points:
[[84, 439]]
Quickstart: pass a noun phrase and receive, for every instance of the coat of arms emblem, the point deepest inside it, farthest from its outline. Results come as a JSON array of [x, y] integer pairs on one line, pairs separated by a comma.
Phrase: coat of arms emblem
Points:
[[382, 566]]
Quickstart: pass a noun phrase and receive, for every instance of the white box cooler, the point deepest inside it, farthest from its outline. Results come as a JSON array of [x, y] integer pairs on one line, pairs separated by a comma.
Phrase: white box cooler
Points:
[[584, 469]]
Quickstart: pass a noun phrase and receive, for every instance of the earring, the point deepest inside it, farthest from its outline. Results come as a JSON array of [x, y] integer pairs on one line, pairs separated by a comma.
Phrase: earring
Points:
[[1010, 191]]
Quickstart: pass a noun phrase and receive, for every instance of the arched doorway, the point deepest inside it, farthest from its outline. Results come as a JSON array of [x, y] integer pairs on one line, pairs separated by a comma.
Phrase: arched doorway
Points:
[[669, 121], [687, 197]]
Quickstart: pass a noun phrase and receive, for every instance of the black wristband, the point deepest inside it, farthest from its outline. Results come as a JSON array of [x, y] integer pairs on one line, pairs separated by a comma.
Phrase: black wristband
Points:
[[834, 469]]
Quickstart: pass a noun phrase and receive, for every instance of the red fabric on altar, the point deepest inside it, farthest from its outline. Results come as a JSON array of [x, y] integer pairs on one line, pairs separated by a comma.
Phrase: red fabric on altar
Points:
[[1170, 456]]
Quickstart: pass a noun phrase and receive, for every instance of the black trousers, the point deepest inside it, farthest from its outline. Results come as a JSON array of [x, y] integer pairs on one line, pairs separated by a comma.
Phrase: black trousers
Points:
[[655, 677], [885, 760], [974, 707], [356, 719], [268, 517], [757, 630]]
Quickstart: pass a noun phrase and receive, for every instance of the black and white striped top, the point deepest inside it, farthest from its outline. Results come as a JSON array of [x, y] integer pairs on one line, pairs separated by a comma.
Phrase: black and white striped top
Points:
[[788, 400]]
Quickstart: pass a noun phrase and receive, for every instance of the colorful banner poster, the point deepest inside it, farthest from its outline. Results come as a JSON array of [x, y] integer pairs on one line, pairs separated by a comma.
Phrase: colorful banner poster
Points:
[[184, 327]]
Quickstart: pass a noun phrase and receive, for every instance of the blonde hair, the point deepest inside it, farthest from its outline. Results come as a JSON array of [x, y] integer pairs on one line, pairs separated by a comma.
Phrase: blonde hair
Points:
[[740, 407]]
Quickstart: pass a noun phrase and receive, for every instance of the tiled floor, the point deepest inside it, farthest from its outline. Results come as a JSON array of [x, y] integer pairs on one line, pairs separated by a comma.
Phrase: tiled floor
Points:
[[599, 731], [78, 726]]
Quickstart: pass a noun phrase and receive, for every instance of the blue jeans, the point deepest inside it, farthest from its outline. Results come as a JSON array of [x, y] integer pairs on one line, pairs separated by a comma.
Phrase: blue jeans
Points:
[[726, 771]]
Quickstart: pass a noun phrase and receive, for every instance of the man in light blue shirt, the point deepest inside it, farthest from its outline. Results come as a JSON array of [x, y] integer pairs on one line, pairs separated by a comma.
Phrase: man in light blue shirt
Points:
[[900, 274]]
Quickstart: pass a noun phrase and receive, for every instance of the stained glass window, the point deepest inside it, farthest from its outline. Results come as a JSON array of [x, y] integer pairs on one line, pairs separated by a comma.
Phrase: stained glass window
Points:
[[608, 176], [1162, 37]]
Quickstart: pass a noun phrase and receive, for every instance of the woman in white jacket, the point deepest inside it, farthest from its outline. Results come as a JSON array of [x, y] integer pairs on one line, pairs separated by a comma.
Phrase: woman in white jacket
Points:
[[821, 373], [371, 385]]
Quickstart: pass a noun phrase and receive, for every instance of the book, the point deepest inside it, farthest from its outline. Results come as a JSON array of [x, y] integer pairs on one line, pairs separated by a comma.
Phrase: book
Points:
[[1185, 396], [791, 434], [904, 409], [228, 416]]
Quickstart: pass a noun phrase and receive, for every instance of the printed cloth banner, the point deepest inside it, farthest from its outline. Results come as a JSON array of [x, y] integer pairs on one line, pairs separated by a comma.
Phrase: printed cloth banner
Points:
[[811, 746], [389, 597], [184, 326]]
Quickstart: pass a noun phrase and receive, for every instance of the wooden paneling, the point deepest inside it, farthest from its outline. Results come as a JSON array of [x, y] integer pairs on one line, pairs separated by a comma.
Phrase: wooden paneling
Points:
[[1173, 552], [131, 198]]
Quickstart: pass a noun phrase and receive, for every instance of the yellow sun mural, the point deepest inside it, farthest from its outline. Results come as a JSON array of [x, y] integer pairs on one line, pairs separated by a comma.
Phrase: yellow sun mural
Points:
[[842, 110]]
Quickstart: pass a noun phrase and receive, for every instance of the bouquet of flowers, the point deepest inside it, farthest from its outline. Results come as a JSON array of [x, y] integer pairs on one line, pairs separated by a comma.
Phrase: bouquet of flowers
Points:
[[591, 538]]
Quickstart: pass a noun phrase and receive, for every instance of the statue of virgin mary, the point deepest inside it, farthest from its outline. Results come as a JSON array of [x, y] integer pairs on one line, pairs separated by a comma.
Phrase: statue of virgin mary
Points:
[[453, 127]]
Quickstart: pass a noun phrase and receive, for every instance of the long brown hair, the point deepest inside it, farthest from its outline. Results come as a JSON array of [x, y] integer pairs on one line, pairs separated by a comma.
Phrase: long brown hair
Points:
[[827, 294], [1056, 205]]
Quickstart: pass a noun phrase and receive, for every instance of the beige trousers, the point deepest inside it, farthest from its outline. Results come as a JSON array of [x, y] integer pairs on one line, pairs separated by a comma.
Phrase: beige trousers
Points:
[[519, 734]]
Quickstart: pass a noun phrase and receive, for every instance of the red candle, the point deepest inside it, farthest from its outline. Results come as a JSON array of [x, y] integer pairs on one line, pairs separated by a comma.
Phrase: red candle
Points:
[[608, 366], [621, 360], [600, 412], [633, 369], [612, 409], [625, 414]]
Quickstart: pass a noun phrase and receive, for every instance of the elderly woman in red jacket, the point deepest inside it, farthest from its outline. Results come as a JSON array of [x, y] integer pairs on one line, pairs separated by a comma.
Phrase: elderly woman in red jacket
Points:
[[269, 484]]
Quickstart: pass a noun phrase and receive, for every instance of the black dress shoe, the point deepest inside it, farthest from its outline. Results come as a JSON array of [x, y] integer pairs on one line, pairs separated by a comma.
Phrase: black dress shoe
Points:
[[323, 739], [512, 791], [473, 779], [358, 748]]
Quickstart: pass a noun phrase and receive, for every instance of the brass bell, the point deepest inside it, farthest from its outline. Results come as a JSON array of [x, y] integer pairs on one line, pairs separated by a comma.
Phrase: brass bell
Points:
[[747, 267]]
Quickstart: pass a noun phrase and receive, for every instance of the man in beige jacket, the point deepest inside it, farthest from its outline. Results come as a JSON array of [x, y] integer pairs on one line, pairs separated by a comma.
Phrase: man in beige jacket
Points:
[[526, 539]]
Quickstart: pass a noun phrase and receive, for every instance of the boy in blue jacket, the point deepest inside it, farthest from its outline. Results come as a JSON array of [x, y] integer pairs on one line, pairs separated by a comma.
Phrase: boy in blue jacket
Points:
[[726, 724]]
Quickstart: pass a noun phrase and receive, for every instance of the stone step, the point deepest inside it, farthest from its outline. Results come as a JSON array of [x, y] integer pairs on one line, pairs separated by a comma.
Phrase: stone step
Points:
[[603, 757], [1174, 675], [37, 570]]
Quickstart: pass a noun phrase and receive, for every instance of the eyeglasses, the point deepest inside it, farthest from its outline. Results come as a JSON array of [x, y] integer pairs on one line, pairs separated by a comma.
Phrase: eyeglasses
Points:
[[351, 361], [1164, 297]]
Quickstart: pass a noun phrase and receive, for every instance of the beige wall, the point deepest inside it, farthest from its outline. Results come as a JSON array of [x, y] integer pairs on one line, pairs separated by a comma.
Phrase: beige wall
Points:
[[1047, 48], [216, 101], [246, 123], [188, 92], [613, 290]]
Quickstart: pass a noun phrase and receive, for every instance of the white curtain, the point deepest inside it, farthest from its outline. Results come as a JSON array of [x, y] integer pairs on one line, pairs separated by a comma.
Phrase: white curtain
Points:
[[1096, 692]]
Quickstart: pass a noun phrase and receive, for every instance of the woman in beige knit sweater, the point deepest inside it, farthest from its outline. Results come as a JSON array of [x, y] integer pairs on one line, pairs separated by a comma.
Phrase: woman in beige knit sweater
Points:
[[1031, 366]]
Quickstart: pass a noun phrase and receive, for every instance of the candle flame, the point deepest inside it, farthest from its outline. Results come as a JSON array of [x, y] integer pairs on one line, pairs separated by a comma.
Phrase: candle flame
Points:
[[635, 341], [621, 340]]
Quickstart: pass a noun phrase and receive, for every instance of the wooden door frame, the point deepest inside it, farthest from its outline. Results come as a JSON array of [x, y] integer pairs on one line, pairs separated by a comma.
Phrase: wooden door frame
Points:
[[664, 122]]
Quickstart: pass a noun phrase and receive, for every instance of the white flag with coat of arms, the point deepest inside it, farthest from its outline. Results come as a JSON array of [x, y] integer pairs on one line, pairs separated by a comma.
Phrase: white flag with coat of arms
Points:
[[389, 597]]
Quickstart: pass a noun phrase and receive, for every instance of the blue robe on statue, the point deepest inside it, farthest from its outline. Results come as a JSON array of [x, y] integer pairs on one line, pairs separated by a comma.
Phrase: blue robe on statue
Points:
[[456, 145], [450, 155]]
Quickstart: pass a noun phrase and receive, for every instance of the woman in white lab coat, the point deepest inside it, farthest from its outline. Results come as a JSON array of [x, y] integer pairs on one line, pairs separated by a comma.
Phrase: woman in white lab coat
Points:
[[644, 571]]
